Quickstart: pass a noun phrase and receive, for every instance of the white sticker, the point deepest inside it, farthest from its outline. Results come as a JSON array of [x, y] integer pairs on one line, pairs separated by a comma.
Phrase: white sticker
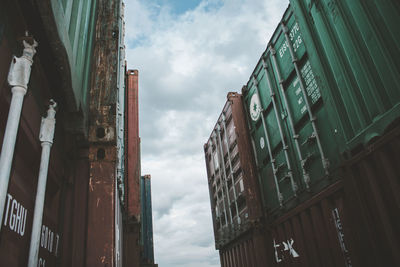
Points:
[[262, 143], [255, 108], [284, 248]]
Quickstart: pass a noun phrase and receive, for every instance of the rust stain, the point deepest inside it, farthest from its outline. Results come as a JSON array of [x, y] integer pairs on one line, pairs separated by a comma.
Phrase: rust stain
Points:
[[102, 144], [91, 183], [132, 144]]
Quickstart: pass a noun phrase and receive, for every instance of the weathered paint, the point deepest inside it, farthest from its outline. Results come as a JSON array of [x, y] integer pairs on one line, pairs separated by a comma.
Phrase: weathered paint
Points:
[[132, 146], [101, 208], [100, 248], [121, 74], [229, 158], [120, 136], [132, 171], [81, 189]]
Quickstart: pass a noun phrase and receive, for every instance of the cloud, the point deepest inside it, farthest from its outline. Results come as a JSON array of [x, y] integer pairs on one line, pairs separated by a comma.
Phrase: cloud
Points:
[[187, 63]]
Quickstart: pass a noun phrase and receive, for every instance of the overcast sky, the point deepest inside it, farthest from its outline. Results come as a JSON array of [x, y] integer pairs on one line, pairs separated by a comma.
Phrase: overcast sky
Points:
[[189, 54]]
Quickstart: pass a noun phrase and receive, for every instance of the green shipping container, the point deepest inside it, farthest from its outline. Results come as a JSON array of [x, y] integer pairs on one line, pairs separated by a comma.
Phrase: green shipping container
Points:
[[70, 25], [356, 54], [327, 86], [294, 142]]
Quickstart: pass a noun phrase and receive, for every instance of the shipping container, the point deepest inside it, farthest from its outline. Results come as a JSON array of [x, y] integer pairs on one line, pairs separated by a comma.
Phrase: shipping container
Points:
[[356, 51], [132, 171], [233, 183], [132, 145], [103, 211], [81, 194], [293, 138], [60, 229], [323, 113], [146, 240]]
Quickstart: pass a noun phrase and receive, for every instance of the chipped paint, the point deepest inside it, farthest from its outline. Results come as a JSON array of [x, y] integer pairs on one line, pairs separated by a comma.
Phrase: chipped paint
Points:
[[102, 138]]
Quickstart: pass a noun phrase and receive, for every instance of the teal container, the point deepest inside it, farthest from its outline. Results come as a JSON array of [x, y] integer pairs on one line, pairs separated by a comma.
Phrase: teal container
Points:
[[293, 138], [146, 240], [356, 55], [74, 21]]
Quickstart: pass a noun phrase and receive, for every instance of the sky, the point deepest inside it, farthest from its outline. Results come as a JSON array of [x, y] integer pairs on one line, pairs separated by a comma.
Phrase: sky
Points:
[[190, 54]]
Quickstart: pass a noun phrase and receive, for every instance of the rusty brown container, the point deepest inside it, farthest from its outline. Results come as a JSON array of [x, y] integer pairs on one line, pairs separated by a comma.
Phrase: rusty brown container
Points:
[[315, 233], [18, 213], [372, 180], [248, 250], [82, 215], [233, 184], [132, 171], [132, 145], [16, 229]]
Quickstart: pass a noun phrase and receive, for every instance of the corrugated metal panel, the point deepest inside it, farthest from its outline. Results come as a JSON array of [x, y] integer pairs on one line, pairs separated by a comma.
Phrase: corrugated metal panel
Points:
[[353, 222], [372, 180], [147, 255], [248, 250], [18, 214], [75, 216], [294, 142], [356, 46], [233, 184], [132, 171], [132, 168], [132, 244], [315, 233]]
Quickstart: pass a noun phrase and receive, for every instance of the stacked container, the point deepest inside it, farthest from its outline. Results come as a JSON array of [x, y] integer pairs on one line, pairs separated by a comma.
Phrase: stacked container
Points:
[[323, 112], [293, 138], [146, 236], [322, 93], [233, 186]]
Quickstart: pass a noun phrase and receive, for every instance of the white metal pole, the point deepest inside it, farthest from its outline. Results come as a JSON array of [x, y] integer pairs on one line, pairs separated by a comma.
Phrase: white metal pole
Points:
[[18, 78], [46, 138]]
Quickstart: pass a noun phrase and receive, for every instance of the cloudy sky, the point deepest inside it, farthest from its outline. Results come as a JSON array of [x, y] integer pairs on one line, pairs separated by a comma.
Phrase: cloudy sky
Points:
[[189, 54]]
